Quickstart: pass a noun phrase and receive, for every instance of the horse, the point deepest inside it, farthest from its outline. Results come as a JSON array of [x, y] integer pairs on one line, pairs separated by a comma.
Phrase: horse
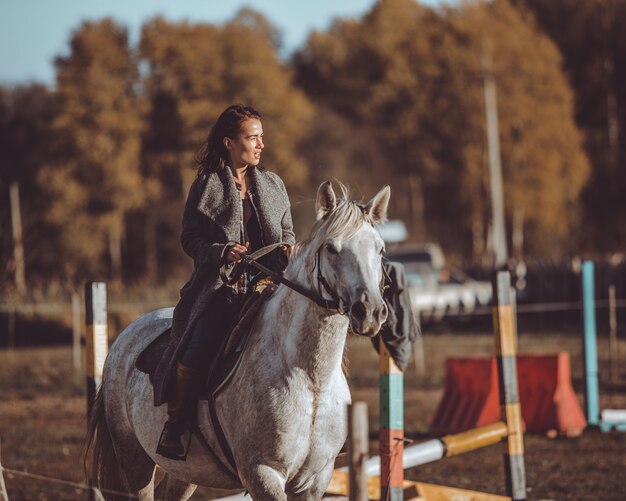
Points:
[[283, 414]]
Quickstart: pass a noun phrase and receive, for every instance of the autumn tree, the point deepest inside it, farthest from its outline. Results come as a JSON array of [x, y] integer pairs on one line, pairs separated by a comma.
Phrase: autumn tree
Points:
[[544, 166], [412, 78], [591, 38], [26, 143], [95, 180]]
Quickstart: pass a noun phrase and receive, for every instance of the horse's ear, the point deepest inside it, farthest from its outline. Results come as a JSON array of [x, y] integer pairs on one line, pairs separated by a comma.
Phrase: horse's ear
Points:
[[376, 208], [326, 200]]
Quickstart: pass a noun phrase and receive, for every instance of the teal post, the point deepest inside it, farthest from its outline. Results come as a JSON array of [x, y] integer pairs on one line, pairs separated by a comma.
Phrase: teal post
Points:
[[391, 430], [592, 404]]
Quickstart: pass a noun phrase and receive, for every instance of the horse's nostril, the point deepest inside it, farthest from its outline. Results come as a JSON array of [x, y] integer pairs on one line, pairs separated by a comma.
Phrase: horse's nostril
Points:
[[382, 313], [359, 310]]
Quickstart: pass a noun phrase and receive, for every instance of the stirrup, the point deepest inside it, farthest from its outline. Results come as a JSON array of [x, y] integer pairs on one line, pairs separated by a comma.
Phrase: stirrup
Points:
[[170, 455]]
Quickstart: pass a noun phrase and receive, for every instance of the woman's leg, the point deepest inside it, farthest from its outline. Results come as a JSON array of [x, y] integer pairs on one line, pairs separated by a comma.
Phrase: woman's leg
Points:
[[206, 338], [209, 332]]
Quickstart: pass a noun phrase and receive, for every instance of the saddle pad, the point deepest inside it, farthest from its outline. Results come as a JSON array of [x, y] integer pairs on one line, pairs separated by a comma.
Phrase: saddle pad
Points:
[[149, 358]]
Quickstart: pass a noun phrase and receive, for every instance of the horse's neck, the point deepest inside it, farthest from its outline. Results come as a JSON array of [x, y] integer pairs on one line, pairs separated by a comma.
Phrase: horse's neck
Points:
[[310, 338]]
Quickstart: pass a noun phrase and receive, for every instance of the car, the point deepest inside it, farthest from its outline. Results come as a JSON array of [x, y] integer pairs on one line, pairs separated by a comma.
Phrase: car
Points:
[[436, 289]]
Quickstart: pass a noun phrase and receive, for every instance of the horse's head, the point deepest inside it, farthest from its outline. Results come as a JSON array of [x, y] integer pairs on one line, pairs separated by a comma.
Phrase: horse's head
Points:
[[348, 256]]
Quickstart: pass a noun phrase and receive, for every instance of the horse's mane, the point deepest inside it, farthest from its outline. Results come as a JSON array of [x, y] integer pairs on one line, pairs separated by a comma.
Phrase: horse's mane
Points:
[[345, 220]]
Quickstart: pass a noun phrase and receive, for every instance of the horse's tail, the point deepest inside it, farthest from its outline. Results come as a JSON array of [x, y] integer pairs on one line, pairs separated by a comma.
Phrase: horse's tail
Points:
[[101, 465]]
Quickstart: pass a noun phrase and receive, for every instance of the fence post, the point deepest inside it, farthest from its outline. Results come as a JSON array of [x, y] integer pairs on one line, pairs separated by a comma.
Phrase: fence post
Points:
[[11, 327], [4, 495], [76, 348], [358, 449], [613, 345], [18, 239], [418, 348], [391, 429], [96, 344], [592, 391], [506, 351]]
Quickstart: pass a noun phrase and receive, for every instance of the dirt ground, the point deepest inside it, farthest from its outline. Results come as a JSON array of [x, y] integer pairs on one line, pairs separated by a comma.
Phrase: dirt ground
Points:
[[42, 424]]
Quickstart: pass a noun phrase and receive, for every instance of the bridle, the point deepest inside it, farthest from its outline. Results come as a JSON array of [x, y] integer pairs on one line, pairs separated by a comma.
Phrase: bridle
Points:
[[323, 283], [231, 275]]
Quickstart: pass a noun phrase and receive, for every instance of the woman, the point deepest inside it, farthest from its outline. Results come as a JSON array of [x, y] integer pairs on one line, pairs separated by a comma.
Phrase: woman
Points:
[[234, 207]]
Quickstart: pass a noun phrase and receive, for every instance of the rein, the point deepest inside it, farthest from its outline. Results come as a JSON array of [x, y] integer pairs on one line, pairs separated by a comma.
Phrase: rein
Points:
[[251, 260]]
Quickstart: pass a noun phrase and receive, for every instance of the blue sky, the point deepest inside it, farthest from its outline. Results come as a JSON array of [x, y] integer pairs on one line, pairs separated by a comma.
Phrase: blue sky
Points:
[[33, 32]]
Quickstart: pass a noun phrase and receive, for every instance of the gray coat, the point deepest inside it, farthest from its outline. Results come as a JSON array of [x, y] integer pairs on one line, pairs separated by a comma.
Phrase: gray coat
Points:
[[212, 218]]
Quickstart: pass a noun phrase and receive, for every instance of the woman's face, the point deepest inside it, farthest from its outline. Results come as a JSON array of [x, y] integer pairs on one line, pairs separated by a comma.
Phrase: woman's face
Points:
[[245, 149]]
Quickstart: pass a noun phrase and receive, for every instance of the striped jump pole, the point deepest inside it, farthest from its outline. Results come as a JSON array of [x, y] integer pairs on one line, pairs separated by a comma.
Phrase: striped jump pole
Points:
[[439, 448], [391, 429], [97, 340], [453, 445], [506, 341]]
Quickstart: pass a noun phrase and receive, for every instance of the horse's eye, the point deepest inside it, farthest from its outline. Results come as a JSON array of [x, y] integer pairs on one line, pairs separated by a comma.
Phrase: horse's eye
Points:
[[332, 249]]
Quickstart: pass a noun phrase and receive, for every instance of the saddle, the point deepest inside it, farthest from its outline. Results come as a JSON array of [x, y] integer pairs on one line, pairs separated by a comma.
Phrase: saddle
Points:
[[229, 353]]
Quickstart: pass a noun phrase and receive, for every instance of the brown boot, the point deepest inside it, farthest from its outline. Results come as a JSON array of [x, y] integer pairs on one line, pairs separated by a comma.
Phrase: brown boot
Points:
[[185, 384]]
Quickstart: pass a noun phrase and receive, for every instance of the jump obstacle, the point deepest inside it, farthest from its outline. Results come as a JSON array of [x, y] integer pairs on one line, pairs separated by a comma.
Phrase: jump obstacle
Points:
[[387, 471], [547, 397], [608, 419]]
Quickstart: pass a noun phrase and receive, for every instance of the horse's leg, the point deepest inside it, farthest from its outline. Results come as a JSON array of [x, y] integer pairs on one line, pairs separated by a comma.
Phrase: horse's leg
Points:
[[317, 490], [137, 467], [173, 489], [263, 482]]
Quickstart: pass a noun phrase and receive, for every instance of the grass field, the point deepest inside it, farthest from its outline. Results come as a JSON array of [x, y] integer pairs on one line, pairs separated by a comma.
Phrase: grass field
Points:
[[42, 423]]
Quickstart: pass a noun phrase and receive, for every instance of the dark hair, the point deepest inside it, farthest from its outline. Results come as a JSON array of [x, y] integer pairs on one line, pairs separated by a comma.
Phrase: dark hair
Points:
[[213, 155]]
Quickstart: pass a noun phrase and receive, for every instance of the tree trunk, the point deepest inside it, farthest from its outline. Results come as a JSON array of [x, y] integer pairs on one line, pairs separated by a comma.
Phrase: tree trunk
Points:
[[115, 247], [152, 264]]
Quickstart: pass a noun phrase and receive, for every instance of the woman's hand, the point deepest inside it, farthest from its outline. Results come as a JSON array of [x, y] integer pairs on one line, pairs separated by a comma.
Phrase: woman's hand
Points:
[[286, 250], [236, 252]]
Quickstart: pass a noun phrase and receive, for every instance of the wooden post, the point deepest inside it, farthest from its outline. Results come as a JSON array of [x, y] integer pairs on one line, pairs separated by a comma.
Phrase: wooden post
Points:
[[97, 342], [96, 345], [506, 350], [358, 449], [11, 326], [4, 495], [18, 242], [418, 347], [391, 429], [418, 356], [495, 167], [613, 345], [76, 348]]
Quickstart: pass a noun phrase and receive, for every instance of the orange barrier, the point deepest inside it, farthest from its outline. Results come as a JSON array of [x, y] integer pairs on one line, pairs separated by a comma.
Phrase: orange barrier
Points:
[[471, 396]]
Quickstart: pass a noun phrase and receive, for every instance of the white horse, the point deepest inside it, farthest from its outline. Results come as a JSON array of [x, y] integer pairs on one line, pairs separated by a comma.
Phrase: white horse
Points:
[[284, 413]]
